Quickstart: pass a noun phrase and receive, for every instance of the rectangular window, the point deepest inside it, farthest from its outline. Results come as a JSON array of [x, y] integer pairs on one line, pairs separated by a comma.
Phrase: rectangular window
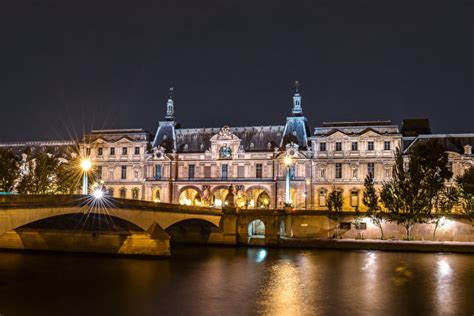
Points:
[[88, 152], [338, 146], [207, 172], [112, 151], [123, 174], [258, 170], [322, 146], [137, 150], [100, 151], [354, 146], [370, 145], [386, 145], [322, 198], [345, 225], [241, 171], [338, 170], [99, 172], [124, 150], [224, 169], [355, 199], [191, 172], [371, 169]]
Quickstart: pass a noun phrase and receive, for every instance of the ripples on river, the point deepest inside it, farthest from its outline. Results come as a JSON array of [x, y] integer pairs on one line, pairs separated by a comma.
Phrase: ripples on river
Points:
[[238, 281]]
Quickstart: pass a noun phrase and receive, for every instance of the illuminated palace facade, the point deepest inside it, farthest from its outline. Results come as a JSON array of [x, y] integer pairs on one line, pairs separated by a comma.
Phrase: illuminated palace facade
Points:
[[200, 166]]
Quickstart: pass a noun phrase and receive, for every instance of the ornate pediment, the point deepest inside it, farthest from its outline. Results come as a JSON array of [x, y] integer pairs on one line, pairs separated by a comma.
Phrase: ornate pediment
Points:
[[224, 134]]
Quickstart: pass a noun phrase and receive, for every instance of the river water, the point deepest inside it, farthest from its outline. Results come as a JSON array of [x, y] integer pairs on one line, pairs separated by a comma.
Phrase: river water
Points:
[[238, 281]]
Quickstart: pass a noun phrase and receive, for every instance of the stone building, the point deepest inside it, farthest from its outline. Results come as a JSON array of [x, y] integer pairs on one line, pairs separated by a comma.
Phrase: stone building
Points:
[[247, 166]]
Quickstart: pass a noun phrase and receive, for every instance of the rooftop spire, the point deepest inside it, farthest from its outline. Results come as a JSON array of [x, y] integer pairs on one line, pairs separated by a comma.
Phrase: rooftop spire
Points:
[[297, 110], [170, 106]]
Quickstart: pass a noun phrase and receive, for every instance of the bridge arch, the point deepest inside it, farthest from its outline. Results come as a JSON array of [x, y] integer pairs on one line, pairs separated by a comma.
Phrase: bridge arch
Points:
[[15, 218], [192, 230], [256, 228]]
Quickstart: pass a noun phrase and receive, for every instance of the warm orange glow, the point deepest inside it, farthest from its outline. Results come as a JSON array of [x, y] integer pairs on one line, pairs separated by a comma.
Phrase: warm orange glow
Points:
[[86, 164]]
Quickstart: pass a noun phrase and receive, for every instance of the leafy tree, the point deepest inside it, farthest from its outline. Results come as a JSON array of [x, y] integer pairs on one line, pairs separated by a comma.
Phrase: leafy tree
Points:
[[371, 200], [41, 175], [444, 205], [68, 175], [9, 170], [465, 185], [410, 194], [335, 208]]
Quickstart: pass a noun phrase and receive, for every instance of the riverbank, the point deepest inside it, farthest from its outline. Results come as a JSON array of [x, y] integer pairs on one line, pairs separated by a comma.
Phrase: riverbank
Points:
[[373, 244]]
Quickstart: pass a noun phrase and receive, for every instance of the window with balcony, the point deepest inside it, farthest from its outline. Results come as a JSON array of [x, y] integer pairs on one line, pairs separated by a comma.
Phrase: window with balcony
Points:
[[258, 170], [354, 146], [386, 145], [338, 170], [158, 172], [123, 173], [338, 146], [322, 146], [191, 169], [224, 171], [370, 145], [371, 169], [124, 150]]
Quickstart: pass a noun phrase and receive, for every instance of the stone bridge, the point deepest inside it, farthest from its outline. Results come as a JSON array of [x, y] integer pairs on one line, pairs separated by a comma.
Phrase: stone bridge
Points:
[[160, 221], [158, 224]]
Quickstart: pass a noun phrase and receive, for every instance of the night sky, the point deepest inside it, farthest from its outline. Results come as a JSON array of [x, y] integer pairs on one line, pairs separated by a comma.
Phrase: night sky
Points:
[[68, 66]]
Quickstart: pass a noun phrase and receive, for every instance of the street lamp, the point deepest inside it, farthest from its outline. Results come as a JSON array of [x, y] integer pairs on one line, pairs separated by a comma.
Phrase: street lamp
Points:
[[86, 166], [288, 162]]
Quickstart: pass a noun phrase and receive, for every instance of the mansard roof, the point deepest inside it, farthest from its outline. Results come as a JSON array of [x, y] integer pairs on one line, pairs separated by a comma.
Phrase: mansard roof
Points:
[[253, 138], [451, 142], [296, 131], [114, 135], [356, 128], [54, 147]]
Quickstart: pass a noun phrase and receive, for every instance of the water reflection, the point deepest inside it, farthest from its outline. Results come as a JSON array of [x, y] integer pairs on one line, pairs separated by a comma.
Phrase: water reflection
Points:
[[239, 281], [283, 294]]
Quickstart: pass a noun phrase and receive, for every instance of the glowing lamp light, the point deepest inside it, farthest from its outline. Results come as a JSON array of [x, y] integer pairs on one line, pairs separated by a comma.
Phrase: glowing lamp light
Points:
[[86, 164], [218, 203], [156, 200], [288, 161], [98, 194]]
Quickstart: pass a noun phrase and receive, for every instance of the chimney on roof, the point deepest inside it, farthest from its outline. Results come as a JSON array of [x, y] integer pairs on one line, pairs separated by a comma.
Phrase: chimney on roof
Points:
[[415, 127]]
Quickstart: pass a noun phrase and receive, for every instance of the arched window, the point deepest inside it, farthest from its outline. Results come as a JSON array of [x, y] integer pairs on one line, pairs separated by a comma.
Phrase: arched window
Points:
[[157, 196], [123, 193], [135, 193]]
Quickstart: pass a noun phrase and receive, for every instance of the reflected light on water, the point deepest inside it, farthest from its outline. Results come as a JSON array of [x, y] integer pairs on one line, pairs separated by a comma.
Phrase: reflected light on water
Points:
[[444, 269], [443, 275], [283, 294], [261, 255]]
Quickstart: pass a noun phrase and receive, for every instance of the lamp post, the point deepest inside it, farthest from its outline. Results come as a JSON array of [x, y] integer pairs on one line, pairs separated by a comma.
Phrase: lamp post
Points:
[[288, 161], [86, 166]]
